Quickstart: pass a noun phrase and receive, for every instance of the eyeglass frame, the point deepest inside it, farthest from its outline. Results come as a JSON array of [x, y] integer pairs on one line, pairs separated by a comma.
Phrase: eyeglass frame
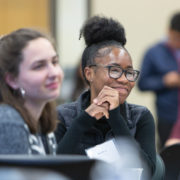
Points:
[[123, 71]]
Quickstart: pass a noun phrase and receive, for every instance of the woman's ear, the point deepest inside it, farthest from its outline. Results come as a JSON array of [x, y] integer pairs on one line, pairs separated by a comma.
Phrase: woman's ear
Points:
[[11, 81], [89, 73]]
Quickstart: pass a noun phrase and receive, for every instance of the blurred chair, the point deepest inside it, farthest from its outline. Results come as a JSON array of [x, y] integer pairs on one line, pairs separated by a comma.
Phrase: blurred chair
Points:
[[171, 158], [160, 169], [61, 167], [71, 166], [20, 173]]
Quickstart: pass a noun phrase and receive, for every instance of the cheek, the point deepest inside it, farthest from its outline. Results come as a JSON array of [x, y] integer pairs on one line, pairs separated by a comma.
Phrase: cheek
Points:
[[123, 98], [33, 80], [60, 75], [103, 77], [132, 84], [102, 80]]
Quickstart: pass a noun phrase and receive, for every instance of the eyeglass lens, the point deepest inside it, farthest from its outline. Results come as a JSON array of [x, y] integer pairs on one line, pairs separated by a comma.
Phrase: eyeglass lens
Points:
[[116, 72]]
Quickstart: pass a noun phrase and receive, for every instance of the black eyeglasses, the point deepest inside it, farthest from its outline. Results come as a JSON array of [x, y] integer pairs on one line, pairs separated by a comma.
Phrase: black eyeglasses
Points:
[[116, 72]]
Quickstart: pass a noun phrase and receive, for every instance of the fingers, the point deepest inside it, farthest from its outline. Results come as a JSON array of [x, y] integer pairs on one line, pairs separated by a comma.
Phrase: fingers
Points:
[[105, 105], [97, 111], [108, 95], [111, 102], [172, 79], [101, 114], [106, 100]]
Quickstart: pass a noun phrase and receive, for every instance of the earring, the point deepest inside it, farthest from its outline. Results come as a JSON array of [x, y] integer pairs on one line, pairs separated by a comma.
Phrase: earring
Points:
[[22, 91]]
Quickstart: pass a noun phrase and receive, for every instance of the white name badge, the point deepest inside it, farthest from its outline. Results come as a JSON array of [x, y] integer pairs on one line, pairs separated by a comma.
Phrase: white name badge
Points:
[[106, 151]]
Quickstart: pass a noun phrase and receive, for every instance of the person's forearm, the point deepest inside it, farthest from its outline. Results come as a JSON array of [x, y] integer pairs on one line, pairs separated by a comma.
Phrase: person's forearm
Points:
[[70, 141], [117, 123]]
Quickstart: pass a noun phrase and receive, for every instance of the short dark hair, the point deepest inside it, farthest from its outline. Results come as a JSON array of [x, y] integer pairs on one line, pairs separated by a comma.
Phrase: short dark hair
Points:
[[100, 32], [175, 22]]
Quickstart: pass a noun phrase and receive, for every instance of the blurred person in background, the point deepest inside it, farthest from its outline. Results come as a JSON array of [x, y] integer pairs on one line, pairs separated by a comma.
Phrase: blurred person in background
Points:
[[79, 83], [174, 136], [73, 84], [160, 73], [102, 113]]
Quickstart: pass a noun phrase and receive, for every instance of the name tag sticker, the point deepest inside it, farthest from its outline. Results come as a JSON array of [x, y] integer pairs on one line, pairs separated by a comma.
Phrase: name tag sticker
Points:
[[106, 151]]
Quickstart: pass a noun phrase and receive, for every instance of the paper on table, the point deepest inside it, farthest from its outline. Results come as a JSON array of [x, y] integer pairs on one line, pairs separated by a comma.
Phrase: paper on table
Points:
[[106, 151]]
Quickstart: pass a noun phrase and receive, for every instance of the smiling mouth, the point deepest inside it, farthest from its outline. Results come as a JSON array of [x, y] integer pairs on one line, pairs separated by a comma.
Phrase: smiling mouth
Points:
[[53, 85], [121, 89]]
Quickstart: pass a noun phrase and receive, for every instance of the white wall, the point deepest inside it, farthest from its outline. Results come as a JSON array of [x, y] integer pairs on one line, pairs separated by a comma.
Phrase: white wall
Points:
[[69, 18], [70, 15]]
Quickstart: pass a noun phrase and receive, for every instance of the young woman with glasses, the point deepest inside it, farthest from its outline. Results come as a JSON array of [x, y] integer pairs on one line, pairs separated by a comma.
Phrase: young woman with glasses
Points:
[[102, 113]]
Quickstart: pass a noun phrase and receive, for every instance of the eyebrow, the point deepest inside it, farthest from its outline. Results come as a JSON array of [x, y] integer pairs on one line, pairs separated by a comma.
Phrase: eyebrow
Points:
[[53, 57], [115, 64], [40, 61]]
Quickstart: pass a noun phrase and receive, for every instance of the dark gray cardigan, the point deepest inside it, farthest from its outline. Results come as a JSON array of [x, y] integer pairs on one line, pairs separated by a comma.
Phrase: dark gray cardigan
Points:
[[15, 137]]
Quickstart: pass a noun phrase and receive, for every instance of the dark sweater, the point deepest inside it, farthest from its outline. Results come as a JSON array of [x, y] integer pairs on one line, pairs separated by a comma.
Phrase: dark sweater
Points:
[[81, 131]]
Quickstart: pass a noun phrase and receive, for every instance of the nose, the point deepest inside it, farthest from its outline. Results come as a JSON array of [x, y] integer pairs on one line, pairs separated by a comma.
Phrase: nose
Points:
[[54, 71], [51, 70], [122, 78]]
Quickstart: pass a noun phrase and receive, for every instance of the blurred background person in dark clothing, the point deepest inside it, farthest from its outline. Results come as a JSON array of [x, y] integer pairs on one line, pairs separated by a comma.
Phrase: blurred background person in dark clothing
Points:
[[160, 73]]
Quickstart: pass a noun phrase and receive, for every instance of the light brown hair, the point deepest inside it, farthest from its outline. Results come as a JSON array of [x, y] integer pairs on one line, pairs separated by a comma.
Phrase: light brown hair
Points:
[[11, 47]]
